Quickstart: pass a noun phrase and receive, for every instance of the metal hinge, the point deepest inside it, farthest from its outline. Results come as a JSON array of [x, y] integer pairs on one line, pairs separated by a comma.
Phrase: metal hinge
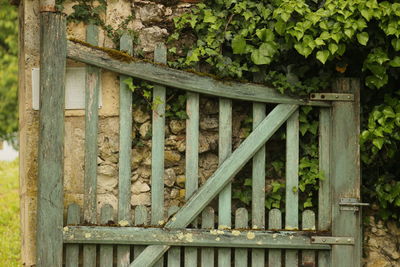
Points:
[[331, 97], [332, 240], [351, 204]]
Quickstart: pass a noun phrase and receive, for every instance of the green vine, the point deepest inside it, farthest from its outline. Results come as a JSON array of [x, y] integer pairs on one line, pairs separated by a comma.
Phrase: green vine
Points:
[[92, 12]]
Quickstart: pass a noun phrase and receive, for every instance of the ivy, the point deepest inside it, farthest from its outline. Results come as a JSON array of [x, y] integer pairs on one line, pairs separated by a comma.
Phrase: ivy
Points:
[[92, 12]]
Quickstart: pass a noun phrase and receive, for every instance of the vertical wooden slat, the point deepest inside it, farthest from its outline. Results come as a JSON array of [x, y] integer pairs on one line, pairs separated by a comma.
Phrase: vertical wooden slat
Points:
[[258, 187], [72, 250], [207, 222], [91, 129], [140, 220], [292, 182], [53, 51], [225, 197], [241, 222], [192, 160], [125, 154], [157, 147], [345, 172], [106, 251], [324, 193], [174, 253], [274, 222], [308, 256]]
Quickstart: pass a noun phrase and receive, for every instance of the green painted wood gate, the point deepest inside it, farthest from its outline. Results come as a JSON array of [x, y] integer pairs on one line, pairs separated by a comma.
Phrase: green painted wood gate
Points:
[[192, 236]]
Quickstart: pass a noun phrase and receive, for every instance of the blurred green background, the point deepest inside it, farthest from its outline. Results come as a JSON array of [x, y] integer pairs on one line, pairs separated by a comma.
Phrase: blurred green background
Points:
[[9, 199]]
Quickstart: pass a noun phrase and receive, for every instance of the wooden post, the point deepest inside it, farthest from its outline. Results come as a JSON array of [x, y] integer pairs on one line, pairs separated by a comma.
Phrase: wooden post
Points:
[[53, 50], [345, 172]]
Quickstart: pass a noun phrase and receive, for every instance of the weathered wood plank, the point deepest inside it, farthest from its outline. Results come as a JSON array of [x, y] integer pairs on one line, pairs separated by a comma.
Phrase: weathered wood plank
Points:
[[275, 222], [125, 154], [141, 219], [191, 237], [324, 193], [192, 161], [292, 182], [225, 197], [51, 140], [241, 222], [106, 251], [91, 128], [207, 222], [345, 172], [308, 219], [258, 187], [72, 250], [221, 178], [174, 253], [157, 148], [182, 79]]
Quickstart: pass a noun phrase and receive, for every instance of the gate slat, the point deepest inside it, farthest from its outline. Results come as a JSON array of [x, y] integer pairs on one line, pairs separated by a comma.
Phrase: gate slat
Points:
[[241, 222], [275, 222], [292, 182], [220, 178], [192, 161], [324, 197], [225, 197], [140, 220], [157, 147], [207, 222], [174, 253], [91, 129], [258, 187], [308, 256], [106, 251], [72, 250], [125, 154]]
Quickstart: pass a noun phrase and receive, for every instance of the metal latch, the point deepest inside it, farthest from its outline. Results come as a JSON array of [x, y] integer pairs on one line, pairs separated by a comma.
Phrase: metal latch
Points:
[[351, 204], [332, 240], [331, 97]]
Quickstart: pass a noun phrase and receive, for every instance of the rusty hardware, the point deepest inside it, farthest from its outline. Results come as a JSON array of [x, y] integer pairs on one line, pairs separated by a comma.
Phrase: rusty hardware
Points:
[[352, 204], [332, 240], [331, 97]]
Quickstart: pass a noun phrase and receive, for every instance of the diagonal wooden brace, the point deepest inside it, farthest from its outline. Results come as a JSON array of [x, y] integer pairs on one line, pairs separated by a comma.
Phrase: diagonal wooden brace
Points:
[[222, 176]]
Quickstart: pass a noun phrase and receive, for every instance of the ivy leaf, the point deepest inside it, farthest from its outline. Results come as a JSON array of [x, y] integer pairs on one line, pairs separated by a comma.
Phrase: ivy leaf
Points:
[[259, 59], [280, 27], [238, 45], [363, 38], [323, 56], [395, 62], [265, 35], [396, 44], [333, 48], [209, 17], [378, 142]]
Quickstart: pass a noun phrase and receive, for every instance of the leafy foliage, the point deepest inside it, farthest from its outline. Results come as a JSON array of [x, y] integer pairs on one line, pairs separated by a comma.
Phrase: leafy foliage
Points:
[[8, 70], [301, 46]]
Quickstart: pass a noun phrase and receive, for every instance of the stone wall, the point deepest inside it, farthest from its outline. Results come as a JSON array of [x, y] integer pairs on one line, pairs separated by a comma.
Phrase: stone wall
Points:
[[153, 22], [381, 243]]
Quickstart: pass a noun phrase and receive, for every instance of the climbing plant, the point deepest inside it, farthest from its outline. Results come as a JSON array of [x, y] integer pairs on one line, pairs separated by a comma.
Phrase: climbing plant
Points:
[[301, 46]]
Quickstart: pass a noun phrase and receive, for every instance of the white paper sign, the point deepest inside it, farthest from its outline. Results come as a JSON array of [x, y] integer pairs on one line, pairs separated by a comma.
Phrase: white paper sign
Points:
[[74, 88]]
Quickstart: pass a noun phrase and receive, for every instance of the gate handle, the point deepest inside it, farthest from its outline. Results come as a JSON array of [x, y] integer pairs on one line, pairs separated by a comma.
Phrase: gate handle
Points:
[[351, 204]]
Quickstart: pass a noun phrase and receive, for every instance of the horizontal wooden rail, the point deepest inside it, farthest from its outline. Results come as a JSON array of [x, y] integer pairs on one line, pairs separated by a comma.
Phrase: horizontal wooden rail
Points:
[[191, 237], [115, 61]]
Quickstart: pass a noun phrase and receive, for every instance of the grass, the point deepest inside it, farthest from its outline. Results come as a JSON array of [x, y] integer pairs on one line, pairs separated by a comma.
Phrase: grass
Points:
[[9, 215]]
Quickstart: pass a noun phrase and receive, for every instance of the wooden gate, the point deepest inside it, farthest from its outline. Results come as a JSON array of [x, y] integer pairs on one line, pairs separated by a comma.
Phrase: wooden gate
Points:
[[190, 237]]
